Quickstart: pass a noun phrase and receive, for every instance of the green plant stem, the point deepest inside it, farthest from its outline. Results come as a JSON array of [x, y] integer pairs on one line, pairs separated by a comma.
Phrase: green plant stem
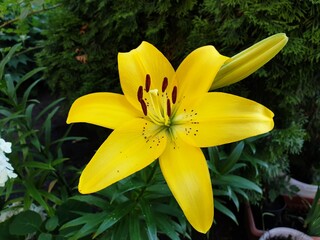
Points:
[[150, 177], [29, 14]]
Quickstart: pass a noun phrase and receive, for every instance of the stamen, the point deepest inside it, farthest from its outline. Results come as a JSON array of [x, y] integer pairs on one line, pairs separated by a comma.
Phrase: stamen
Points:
[[174, 94], [168, 108], [144, 107], [148, 82], [140, 93], [164, 84]]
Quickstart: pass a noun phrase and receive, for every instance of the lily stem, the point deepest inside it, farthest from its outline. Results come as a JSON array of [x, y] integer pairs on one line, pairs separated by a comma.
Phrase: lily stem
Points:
[[149, 179]]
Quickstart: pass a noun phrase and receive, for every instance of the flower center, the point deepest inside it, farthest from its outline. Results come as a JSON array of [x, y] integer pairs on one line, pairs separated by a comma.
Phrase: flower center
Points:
[[156, 105]]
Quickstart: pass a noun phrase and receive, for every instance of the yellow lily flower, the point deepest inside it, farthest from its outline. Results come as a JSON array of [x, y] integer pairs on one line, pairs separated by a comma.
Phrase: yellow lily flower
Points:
[[169, 115]]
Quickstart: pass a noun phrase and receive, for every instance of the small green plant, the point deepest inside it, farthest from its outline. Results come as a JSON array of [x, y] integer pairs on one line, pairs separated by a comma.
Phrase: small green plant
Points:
[[312, 221], [144, 204], [231, 167], [43, 181], [138, 207]]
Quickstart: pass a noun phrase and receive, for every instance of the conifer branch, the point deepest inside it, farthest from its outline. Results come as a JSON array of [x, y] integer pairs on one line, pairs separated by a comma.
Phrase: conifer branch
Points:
[[29, 14]]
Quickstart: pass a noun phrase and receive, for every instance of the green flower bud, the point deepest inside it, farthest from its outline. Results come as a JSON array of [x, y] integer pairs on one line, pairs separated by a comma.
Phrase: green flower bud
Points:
[[248, 61]]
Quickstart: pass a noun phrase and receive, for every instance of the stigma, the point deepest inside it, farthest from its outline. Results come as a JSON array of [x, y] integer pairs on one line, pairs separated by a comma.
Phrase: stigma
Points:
[[157, 105]]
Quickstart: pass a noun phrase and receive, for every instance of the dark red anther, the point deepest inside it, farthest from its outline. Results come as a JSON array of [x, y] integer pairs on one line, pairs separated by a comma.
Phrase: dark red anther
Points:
[[140, 93], [148, 82], [164, 84], [174, 94], [144, 107], [168, 107]]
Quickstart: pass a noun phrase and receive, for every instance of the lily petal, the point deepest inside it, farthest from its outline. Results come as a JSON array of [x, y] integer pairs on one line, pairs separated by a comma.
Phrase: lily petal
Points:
[[136, 64], [108, 110], [127, 150], [185, 169], [196, 73], [223, 118]]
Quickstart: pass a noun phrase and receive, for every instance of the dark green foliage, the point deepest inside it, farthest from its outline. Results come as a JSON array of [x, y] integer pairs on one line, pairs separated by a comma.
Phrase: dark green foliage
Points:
[[84, 39], [22, 22]]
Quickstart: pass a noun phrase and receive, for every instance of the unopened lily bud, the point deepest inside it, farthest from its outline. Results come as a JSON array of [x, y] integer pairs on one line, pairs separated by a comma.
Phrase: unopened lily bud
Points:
[[248, 61]]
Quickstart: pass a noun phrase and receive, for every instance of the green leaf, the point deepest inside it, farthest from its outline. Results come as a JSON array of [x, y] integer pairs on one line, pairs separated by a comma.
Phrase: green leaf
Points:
[[119, 212], [213, 153], [149, 219], [166, 226], [232, 158], [29, 75], [47, 127], [134, 227], [223, 209], [48, 108], [39, 165], [239, 182], [27, 92], [52, 223], [11, 91], [45, 236], [25, 223], [52, 197], [7, 58], [117, 232], [36, 195], [90, 222], [4, 231], [91, 200]]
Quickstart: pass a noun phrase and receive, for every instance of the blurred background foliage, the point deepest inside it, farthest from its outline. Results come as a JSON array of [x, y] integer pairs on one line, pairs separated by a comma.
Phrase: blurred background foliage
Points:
[[76, 44]]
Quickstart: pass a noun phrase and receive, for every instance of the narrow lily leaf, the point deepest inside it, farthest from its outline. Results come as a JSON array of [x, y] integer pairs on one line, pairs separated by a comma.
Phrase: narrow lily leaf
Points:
[[7, 58], [166, 226], [91, 200], [118, 233], [29, 75], [240, 182], [134, 227], [119, 212], [86, 218], [248, 61], [90, 221], [39, 165], [149, 219], [32, 190], [242, 193], [233, 158], [221, 208]]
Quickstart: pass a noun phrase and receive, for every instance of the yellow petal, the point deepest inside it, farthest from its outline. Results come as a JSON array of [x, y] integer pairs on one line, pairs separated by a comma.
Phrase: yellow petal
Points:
[[248, 61], [196, 73], [127, 150], [108, 110], [185, 170], [136, 64], [223, 118]]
